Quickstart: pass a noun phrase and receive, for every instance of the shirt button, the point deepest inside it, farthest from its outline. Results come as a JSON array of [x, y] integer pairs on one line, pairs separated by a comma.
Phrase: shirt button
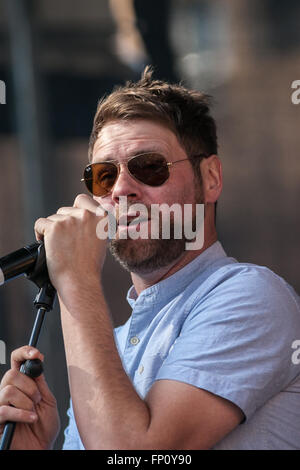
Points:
[[134, 340], [141, 369]]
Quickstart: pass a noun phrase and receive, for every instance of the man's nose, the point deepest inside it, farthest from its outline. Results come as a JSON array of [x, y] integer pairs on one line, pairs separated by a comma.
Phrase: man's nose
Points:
[[125, 185]]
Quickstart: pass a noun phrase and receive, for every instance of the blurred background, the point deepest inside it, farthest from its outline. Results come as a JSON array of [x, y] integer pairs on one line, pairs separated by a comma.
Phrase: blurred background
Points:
[[58, 57]]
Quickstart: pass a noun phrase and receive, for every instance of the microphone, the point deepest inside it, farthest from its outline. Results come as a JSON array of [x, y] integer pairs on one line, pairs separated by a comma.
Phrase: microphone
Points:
[[19, 262]]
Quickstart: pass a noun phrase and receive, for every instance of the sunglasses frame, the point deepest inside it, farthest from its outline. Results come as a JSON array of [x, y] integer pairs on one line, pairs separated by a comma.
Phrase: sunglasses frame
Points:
[[118, 164]]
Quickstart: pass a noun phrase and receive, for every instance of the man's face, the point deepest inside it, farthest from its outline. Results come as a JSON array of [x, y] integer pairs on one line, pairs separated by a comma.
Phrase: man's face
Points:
[[119, 141]]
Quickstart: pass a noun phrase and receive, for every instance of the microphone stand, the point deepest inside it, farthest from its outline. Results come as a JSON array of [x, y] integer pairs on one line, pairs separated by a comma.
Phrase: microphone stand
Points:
[[43, 303]]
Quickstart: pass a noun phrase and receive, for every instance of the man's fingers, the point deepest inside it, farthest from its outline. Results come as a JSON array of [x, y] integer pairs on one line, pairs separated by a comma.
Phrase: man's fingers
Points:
[[65, 211], [40, 228], [16, 415], [21, 355], [44, 389], [83, 201], [36, 389], [21, 381], [11, 395]]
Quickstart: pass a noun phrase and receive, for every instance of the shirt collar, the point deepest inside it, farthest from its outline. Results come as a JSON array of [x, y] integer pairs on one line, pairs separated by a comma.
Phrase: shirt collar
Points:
[[169, 287]]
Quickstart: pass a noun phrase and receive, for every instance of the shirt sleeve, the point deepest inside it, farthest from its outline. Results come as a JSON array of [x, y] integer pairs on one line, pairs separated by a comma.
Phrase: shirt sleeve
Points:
[[72, 440], [236, 341]]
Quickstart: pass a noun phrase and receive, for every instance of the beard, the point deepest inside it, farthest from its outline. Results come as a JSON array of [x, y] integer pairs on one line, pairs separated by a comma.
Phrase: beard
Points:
[[147, 255]]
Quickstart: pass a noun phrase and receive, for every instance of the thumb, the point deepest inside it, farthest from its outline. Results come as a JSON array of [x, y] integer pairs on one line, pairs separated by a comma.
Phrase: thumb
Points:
[[44, 389]]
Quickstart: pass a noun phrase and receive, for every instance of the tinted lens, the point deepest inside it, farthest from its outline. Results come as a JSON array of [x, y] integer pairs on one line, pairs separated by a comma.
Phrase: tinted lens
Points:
[[100, 178], [151, 169]]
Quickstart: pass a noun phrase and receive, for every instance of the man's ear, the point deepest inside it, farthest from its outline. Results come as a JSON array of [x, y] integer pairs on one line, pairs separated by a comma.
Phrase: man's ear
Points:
[[212, 180]]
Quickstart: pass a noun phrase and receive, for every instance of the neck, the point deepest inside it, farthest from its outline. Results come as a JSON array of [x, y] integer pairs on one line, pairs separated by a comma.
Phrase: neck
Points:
[[142, 281]]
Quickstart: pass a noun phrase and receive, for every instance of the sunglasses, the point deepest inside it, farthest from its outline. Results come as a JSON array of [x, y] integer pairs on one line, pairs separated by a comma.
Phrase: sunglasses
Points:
[[150, 168]]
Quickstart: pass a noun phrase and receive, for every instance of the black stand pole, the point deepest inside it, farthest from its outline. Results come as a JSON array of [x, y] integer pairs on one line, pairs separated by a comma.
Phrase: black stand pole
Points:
[[43, 303]]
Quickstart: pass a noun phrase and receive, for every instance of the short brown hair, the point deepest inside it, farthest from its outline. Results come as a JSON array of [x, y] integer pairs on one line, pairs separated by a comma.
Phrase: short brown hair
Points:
[[186, 112]]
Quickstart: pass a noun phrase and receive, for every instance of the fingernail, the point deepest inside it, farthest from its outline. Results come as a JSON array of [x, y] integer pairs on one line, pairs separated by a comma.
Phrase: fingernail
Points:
[[33, 416]]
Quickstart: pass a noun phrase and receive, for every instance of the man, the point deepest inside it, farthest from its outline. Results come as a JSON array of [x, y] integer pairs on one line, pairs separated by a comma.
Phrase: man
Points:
[[205, 360]]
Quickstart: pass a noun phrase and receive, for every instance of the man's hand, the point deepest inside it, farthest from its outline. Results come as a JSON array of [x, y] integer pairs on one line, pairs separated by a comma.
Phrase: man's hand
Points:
[[29, 403], [74, 252]]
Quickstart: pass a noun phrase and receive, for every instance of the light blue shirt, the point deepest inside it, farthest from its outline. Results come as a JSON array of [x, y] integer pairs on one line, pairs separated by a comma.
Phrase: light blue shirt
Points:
[[225, 327]]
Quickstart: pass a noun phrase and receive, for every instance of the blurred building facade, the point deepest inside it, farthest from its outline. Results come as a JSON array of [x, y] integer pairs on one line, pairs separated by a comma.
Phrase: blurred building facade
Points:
[[244, 53]]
